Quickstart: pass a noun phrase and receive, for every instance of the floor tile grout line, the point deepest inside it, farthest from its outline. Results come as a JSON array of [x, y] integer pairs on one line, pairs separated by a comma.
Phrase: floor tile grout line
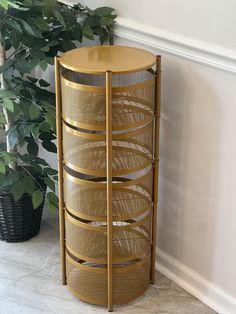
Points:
[[37, 270]]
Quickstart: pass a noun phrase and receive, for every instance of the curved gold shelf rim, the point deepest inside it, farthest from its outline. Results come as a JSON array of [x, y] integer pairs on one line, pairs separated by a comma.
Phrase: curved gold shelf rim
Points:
[[122, 300], [102, 90], [103, 218], [102, 127], [103, 260], [102, 185], [121, 136], [95, 228], [101, 173], [118, 270]]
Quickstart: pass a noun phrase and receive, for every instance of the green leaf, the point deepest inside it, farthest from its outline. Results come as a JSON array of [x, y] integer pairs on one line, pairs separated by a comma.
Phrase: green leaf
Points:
[[107, 21], [7, 44], [52, 208], [6, 65], [33, 63], [87, 32], [37, 198], [11, 178], [43, 65], [52, 201], [2, 118], [17, 190], [104, 11], [35, 131], [8, 104], [93, 21], [59, 18], [2, 167], [33, 148], [41, 23], [50, 171], [34, 112], [13, 24], [52, 198], [8, 73], [30, 30], [4, 4], [49, 6], [29, 184], [32, 79], [49, 146], [15, 38], [49, 60], [8, 157], [78, 33], [45, 127], [67, 45], [46, 137], [6, 93], [50, 183], [43, 83], [45, 49], [27, 28], [51, 120], [16, 6]]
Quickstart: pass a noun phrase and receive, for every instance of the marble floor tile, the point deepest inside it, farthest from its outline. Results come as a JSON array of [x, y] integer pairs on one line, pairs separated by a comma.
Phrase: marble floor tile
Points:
[[30, 283]]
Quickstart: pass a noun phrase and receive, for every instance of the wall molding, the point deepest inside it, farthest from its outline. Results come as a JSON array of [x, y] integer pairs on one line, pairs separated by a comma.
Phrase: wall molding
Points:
[[195, 284], [186, 48]]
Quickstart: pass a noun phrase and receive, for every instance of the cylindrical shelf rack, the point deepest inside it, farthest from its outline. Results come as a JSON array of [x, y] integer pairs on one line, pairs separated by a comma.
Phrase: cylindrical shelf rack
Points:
[[108, 117]]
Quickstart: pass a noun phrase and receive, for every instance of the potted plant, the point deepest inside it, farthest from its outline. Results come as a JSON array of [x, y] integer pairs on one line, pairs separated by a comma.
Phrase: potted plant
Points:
[[32, 32]]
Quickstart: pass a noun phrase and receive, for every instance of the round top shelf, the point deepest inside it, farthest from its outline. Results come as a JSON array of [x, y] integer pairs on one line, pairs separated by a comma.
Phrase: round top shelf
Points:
[[99, 59]]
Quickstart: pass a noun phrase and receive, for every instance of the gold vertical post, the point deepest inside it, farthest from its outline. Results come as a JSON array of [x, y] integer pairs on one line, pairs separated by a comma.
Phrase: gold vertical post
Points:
[[156, 163], [109, 188], [60, 168]]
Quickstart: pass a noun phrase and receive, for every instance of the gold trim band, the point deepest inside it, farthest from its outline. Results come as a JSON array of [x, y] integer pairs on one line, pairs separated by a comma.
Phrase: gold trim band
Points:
[[102, 185], [90, 227], [102, 89]]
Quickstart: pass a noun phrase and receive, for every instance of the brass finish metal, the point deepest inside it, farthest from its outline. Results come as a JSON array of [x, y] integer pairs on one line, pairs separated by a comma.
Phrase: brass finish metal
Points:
[[60, 168], [156, 165], [109, 188], [108, 151], [102, 185], [99, 89], [97, 59]]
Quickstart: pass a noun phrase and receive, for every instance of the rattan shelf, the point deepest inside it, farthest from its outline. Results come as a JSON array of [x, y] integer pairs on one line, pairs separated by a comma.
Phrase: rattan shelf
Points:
[[108, 117]]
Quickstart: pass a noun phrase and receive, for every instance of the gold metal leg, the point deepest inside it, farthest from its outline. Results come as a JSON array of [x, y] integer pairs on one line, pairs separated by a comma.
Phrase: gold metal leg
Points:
[[60, 169], [109, 187], [156, 165]]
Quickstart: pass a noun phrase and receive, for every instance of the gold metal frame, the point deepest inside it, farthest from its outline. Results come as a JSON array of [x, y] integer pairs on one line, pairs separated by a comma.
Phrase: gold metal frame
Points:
[[109, 188], [60, 168], [111, 179], [156, 165]]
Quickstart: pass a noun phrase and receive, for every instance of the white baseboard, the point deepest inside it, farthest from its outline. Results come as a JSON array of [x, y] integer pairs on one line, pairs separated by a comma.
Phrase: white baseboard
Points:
[[180, 46], [195, 284]]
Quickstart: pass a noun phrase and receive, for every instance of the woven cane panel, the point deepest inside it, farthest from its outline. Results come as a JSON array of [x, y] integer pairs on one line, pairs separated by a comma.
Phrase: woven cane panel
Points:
[[91, 286], [90, 244], [91, 203], [132, 106], [130, 152]]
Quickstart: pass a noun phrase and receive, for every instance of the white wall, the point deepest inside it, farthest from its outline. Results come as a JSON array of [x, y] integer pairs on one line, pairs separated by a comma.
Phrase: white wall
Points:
[[212, 21], [197, 195]]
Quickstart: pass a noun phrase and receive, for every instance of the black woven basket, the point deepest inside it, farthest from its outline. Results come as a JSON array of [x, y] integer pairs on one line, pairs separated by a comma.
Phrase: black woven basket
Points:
[[19, 221]]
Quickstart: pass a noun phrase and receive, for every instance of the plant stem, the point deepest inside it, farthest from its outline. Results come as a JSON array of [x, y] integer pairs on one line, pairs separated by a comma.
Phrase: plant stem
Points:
[[3, 86], [40, 186]]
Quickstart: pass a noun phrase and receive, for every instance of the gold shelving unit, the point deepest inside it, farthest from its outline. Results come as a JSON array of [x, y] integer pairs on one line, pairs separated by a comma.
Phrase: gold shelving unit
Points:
[[108, 117]]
